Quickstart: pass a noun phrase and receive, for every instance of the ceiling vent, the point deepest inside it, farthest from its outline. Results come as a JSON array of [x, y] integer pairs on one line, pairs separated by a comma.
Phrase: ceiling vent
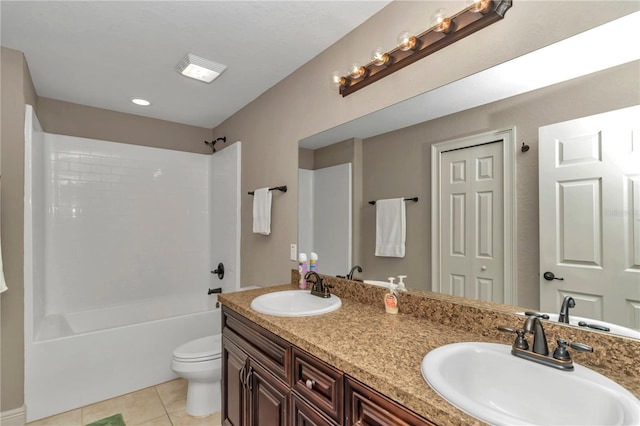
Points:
[[199, 68]]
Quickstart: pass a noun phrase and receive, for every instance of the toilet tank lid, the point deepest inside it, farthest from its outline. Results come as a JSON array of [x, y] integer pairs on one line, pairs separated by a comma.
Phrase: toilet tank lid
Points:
[[205, 346]]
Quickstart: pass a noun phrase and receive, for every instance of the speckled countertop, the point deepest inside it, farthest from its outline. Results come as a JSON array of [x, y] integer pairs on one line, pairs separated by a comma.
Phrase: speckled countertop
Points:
[[385, 351]]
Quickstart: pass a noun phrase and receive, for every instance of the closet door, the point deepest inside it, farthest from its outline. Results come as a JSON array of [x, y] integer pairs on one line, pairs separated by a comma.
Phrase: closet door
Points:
[[471, 212]]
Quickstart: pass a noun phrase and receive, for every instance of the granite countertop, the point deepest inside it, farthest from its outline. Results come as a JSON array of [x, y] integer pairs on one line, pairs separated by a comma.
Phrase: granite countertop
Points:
[[385, 351], [381, 350]]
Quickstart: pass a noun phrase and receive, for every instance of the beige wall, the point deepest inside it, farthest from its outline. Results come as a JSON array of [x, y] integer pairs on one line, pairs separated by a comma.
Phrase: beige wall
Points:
[[399, 164], [66, 118], [303, 104], [17, 90]]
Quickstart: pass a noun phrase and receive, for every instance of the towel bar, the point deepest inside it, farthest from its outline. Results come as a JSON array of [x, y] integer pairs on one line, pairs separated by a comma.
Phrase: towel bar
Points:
[[414, 199]]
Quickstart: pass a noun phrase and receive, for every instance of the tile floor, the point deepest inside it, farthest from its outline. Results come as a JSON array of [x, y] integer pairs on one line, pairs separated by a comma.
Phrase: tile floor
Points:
[[161, 405]]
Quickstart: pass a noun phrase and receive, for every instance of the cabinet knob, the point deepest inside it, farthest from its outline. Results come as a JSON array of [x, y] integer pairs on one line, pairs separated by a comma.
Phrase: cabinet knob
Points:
[[310, 383]]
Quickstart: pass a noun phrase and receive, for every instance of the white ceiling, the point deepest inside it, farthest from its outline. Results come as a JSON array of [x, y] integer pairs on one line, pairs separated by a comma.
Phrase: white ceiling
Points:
[[103, 53]]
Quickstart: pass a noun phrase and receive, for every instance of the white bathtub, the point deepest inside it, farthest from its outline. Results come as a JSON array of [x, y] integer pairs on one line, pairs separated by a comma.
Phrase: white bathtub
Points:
[[92, 355]]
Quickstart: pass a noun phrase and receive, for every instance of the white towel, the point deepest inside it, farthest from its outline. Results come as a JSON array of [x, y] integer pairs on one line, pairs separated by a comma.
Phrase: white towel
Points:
[[262, 211], [3, 284], [391, 228]]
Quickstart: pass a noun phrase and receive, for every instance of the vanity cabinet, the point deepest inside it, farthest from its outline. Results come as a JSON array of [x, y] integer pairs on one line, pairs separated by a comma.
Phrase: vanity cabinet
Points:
[[255, 374], [268, 381]]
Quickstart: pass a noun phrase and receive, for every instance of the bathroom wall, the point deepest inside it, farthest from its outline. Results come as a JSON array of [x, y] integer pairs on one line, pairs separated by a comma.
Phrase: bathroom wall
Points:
[[303, 104], [65, 118], [17, 90]]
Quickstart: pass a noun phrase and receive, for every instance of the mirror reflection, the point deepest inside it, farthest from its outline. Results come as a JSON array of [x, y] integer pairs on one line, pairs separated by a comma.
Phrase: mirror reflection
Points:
[[399, 163]]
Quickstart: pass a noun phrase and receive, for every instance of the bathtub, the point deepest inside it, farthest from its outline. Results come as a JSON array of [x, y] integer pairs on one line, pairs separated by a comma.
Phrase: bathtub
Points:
[[90, 356]]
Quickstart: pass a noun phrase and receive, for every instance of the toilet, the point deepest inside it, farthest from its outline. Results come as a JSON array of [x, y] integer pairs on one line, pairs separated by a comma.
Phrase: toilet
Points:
[[199, 361]]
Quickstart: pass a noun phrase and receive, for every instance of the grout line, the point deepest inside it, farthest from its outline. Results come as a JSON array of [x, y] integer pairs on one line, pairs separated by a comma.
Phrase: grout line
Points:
[[166, 412]]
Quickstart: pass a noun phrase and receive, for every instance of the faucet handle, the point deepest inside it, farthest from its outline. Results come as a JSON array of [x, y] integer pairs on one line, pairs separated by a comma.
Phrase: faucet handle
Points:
[[521, 341], [580, 347], [536, 314], [562, 353]]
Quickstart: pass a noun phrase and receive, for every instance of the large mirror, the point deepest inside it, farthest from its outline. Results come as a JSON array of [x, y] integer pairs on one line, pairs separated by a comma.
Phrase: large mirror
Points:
[[390, 155]]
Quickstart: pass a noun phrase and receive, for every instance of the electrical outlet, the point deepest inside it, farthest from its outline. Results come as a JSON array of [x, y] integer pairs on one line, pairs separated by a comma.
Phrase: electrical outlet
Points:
[[294, 252]]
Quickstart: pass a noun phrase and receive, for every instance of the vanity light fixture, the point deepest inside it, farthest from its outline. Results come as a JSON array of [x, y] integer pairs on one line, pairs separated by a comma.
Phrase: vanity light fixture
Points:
[[445, 30], [198, 68]]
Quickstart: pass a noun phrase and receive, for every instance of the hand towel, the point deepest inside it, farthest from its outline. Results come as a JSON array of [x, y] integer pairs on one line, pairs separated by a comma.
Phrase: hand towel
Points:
[[3, 284], [391, 228], [262, 211]]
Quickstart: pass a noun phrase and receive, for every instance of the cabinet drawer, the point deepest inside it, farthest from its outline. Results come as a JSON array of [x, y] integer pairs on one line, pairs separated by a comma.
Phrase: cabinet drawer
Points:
[[305, 415], [265, 347], [366, 407], [319, 383]]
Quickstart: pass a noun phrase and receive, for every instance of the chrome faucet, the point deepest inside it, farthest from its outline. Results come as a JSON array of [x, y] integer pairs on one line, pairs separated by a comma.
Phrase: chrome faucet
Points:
[[539, 352], [350, 274], [567, 303], [318, 286]]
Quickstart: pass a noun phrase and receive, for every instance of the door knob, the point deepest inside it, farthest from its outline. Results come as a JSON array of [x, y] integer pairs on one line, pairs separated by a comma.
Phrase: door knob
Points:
[[550, 276]]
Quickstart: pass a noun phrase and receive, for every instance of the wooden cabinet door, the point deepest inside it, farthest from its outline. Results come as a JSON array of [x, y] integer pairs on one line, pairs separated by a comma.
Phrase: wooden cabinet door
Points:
[[304, 414], [234, 393], [269, 398]]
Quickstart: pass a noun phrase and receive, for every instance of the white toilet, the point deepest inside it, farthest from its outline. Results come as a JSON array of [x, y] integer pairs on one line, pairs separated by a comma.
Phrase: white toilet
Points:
[[199, 361]]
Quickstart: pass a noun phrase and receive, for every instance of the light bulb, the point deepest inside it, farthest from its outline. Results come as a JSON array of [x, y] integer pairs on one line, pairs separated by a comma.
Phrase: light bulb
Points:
[[335, 79], [406, 41], [356, 70], [478, 6], [379, 57], [440, 21]]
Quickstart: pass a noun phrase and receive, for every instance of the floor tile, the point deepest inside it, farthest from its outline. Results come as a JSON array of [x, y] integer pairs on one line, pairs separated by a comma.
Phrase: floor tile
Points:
[[69, 418], [173, 394], [181, 418], [160, 421], [136, 408]]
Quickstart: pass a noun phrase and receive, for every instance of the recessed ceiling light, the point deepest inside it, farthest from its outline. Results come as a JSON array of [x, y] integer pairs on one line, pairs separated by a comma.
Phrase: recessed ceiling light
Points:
[[141, 102], [202, 69]]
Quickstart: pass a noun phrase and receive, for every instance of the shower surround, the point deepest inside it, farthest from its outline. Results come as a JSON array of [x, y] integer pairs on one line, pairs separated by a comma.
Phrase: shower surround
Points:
[[119, 244]]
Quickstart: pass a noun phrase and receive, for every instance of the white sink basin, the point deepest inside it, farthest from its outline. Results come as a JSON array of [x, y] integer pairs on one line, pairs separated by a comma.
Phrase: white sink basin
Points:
[[613, 328], [294, 303], [487, 382]]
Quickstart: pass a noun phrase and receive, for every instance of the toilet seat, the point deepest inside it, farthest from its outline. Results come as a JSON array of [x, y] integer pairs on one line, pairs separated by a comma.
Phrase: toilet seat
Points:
[[204, 349]]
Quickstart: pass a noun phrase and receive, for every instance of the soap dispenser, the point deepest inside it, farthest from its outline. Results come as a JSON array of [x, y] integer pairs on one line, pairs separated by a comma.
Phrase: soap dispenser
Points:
[[391, 298], [401, 286]]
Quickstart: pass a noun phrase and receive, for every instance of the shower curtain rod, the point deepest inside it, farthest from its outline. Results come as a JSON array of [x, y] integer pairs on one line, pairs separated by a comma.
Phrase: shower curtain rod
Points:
[[414, 199], [282, 188]]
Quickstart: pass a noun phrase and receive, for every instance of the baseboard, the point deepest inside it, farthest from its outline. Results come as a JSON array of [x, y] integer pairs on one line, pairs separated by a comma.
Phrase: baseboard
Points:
[[15, 417]]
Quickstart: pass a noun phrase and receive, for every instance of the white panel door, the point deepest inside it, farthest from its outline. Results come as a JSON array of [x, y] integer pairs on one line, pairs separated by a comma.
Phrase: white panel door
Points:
[[589, 181], [225, 216], [471, 211]]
